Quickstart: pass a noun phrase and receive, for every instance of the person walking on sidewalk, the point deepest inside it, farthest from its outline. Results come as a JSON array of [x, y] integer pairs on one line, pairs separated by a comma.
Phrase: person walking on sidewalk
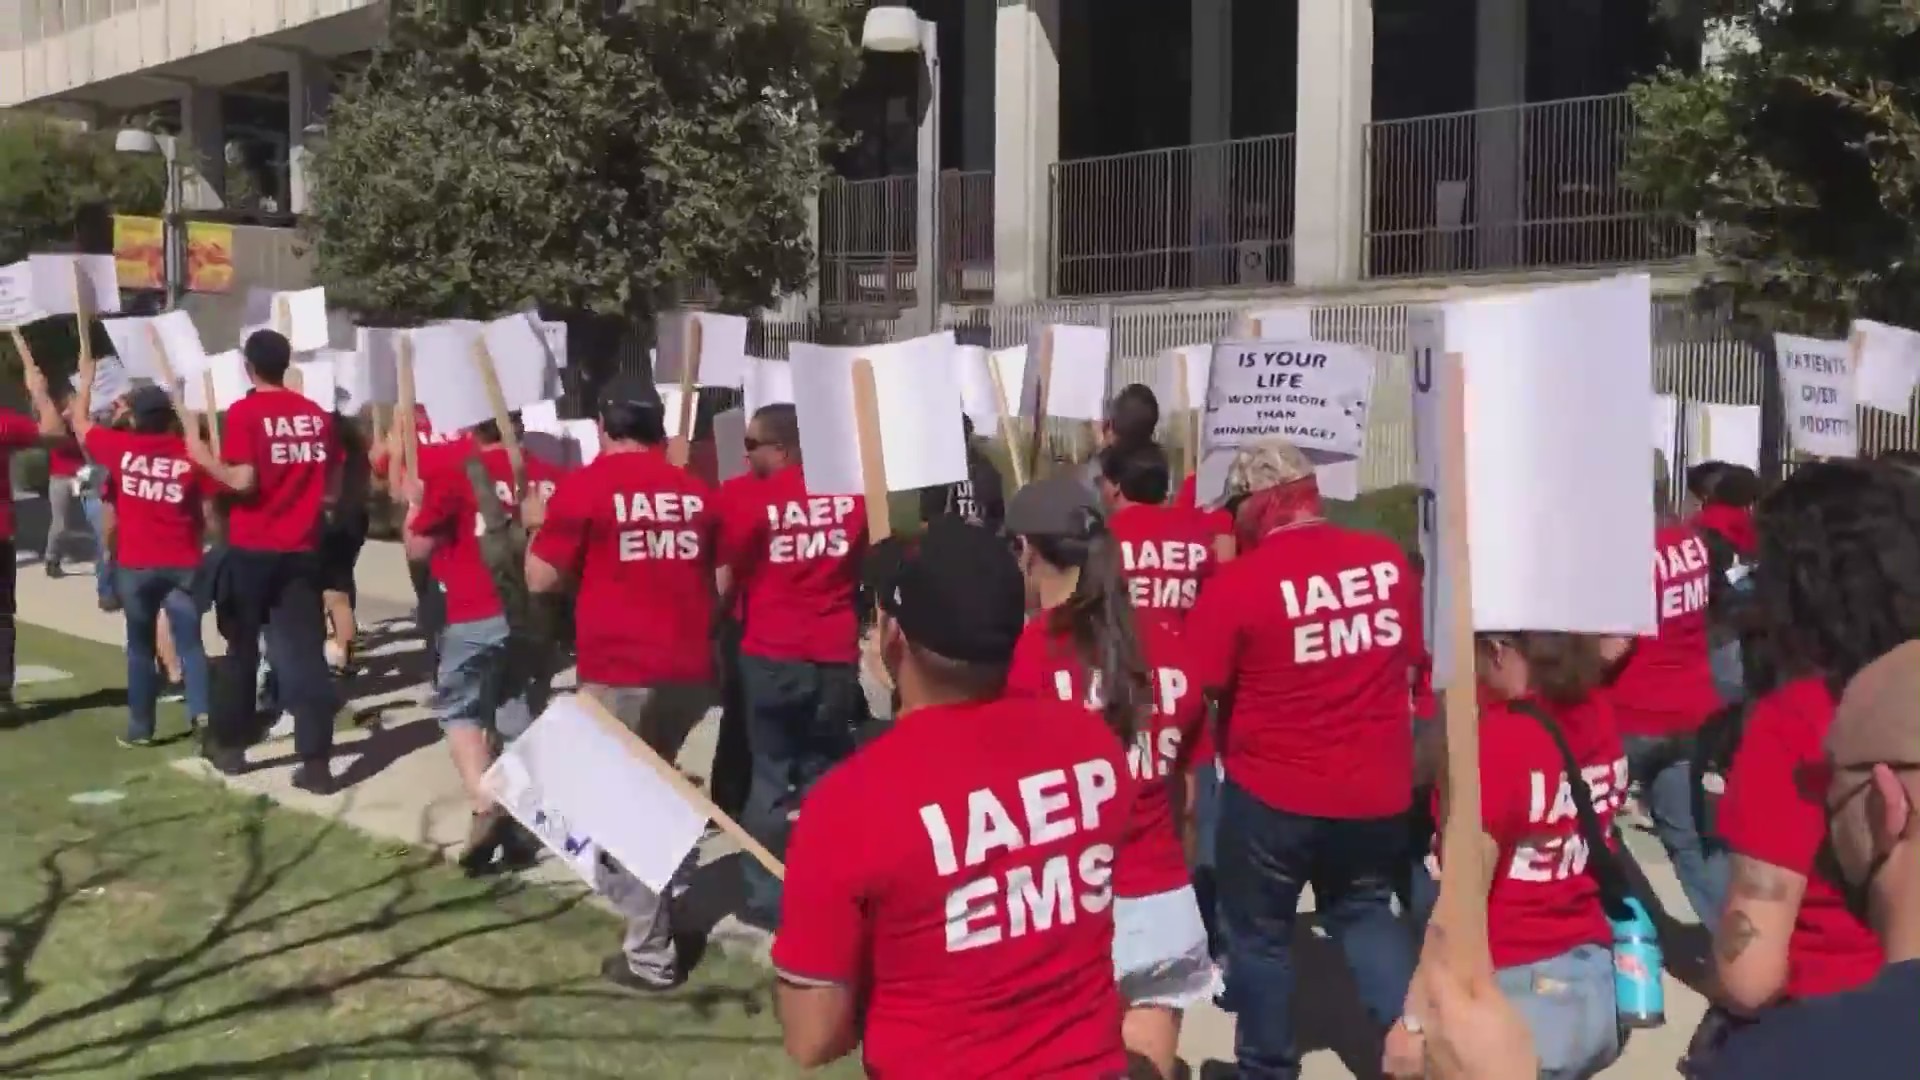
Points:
[[635, 533], [162, 501], [18, 433], [279, 462], [488, 690], [64, 464]]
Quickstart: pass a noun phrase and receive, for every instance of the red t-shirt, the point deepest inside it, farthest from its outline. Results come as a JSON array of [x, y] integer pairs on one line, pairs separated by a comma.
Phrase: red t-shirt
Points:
[[637, 533], [1152, 860], [290, 443], [1188, 498], [1166, 554], [451, 515], [1775, 811], [974, 915], [742, 491], [1666, 685], [64, 459], [1313, 636], [1545, 900], [159, 495], [797, 559], [434, 447], [17, 432]]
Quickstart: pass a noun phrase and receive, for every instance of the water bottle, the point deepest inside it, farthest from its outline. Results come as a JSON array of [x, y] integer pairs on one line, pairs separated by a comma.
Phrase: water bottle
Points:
[[1639, 995]]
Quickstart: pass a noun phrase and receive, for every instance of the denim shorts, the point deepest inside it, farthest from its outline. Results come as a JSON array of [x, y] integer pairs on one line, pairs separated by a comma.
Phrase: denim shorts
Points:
[[1160, 954], [475, 689], [1568, 1003]]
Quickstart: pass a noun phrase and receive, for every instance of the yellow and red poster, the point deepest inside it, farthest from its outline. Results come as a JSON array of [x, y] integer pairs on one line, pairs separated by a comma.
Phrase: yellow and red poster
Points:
[[140, 252], [209, 257]]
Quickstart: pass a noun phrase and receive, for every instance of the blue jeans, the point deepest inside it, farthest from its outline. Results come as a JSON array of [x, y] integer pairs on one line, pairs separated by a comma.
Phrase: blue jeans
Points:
[[279, 593], [146, 595], [1266, 858], [1206, 881], [1663, 767], [104, 579], [1729, 672], [1568, 1004], [479, 685], [800, 722]]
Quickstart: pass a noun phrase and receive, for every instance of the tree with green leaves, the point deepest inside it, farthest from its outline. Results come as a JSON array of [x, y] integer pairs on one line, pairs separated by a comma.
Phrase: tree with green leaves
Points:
[[596, 159], [1796, 147]]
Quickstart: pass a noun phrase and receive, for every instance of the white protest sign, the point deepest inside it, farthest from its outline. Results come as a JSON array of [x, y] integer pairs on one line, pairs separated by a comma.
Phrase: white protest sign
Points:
[[1558, 534], [256, 308], [1194, 364], [579, 784], [978, 399], [1283, 324], [16, 296], [61, 280], [301, 317], [1077, 377], [1729, 433], [730, 444], [317, 380], [1887, 365], [1816, 384], [584, 438], [769, 382], [555, 335], [921, 439], [541, 416], [1666, 424], [133, 343], [521, 360], [544, 434], [1338, 479], [444, 377], [230, 382], [375, 373], [110, 380], [723, 348], [1313, 394], [181, 339], [673, 402]]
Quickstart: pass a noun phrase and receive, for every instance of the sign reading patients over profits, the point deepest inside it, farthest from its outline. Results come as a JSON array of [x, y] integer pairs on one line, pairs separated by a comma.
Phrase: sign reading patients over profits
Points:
[[1313, 394], [1816, 379]]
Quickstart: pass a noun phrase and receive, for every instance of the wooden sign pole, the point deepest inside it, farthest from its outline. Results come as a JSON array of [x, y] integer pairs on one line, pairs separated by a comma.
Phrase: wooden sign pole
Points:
[[282, 316], [1007, 431], [1462, 908], [1044, 376], [683, 787], [213, 411], [873, 461], [516, 459], [1183, 408], [681, 446], [188, 419], [80, 310], [408, 412]]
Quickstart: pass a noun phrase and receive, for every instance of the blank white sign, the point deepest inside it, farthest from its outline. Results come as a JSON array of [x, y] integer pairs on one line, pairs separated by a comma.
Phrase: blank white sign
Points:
[[230, 382], [444, 376], [921, 438], [59, 281], [305, 318], [317, 381], [1729, 433], [1889, 365], [769, 382], [723, 348], [1077, 382]]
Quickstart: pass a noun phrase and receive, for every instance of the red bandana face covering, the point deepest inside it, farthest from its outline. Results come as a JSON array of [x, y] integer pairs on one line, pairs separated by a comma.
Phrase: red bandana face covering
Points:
[[1275, 508]]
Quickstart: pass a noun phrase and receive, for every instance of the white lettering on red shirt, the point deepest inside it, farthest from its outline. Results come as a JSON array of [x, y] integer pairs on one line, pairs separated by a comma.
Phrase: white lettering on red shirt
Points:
[[1340, 633], [648, 539], [812, 528]]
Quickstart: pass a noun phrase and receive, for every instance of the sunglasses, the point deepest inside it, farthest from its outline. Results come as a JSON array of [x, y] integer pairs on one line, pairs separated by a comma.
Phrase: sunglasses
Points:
[[759, 444]]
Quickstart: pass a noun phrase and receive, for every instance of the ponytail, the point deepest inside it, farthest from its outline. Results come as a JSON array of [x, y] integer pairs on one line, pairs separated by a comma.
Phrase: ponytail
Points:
[[1098, 620]]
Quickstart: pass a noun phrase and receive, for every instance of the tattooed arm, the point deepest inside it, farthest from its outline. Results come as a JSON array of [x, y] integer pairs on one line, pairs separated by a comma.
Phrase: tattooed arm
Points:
[[1750, 949]]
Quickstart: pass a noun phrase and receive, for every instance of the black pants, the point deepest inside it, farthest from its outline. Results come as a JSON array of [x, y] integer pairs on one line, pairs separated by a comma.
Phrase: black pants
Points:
[[429, 613], [278, 593], [732, 760], [7, 607]]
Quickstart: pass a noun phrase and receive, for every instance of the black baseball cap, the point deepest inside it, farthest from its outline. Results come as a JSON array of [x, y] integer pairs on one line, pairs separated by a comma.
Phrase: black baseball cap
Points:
[[1061, 506], [957, 593]]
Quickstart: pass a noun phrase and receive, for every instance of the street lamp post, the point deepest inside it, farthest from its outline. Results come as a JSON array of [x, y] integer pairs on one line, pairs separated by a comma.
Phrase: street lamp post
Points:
[[896, 28], [137, 141]]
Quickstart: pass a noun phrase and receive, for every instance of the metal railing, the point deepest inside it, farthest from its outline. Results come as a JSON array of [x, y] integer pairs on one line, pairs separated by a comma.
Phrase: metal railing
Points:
[[1516, 188], [1188, 217], [868, 246]]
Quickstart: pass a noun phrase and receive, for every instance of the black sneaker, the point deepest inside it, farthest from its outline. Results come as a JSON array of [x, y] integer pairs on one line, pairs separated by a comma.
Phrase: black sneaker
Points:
[[485, 835], [315, 777], [55, 570], [226, 760], [615, 970], [519, 849], [109, 604], [136, 742]]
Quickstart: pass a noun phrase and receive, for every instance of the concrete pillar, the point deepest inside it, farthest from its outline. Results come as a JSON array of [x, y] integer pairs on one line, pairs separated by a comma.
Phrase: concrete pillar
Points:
[[1335, 71], [1500, 84], [309, 92], [978, 39], [1210, 123], [203, 138], [1026, 145]]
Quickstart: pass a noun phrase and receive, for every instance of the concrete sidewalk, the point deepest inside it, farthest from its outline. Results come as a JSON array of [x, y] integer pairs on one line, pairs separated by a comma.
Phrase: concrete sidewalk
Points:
[[403, 788]]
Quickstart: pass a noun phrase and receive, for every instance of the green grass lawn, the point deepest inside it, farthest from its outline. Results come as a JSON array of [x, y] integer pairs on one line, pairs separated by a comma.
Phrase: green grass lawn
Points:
[[184, 931]]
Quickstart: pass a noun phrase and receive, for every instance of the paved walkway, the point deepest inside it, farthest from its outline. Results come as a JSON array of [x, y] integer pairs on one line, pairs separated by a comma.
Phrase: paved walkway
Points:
[[404, 788]]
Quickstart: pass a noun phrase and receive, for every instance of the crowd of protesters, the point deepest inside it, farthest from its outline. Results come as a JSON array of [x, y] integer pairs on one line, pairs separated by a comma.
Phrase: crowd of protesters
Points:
[[1126, 728]]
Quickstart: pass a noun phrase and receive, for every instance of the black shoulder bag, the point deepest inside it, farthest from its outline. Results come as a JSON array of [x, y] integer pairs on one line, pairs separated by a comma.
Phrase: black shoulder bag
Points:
[[1602, 862]]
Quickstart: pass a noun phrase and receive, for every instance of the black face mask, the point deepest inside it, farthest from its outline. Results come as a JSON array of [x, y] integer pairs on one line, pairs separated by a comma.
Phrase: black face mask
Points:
[[1857, 895]]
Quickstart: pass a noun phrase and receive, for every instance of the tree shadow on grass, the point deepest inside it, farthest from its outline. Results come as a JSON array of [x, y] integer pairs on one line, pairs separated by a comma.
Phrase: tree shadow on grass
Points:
[[244, 944], [28, 713]]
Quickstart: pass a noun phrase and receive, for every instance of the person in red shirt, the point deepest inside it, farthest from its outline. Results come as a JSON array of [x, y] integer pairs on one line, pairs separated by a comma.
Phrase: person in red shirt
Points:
[[486, 692], [162, 502], [950, 887], [64, 462], [1308, 644], [18, 433], [279, 463], [1663, 692], [1166, 553], [387, 465], [1720, 499], [1086, 647], [795, 559], [1834, 590], [634, 535], [1547, 928]]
